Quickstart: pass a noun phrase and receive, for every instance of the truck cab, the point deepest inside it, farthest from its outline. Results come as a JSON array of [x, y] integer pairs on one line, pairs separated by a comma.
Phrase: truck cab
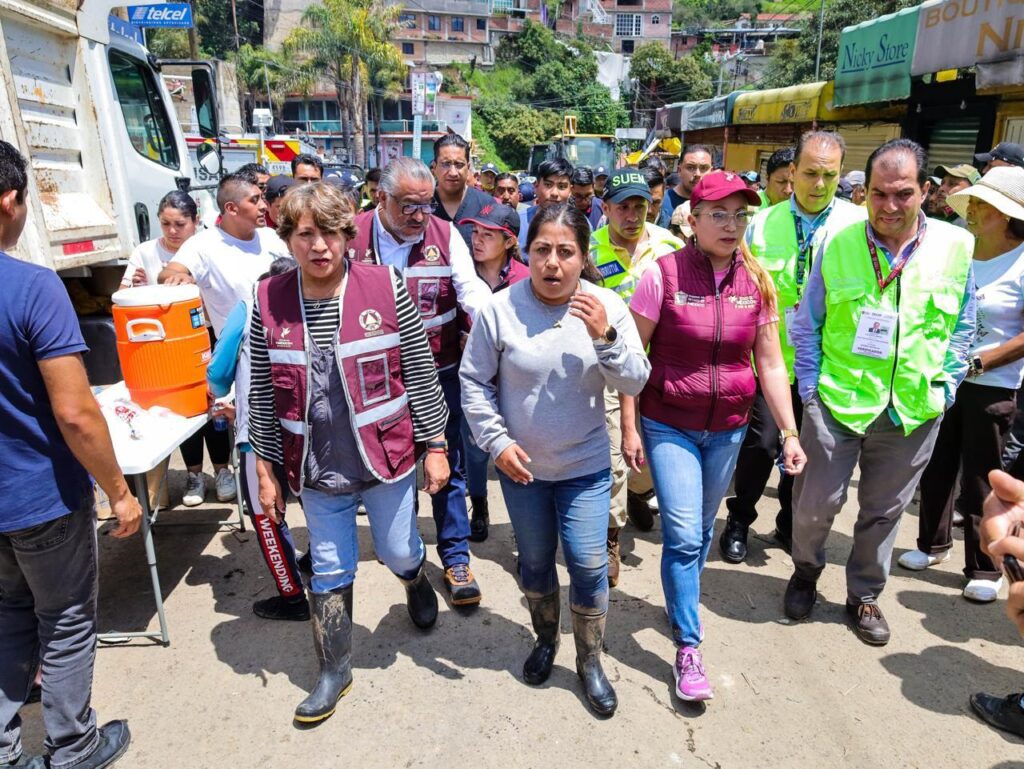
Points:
[[82, 100]]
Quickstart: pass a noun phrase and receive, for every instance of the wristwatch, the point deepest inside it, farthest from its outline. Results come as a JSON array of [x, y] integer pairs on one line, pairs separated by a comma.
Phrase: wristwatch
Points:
[[609, 336], [791, 433], [975, 367]]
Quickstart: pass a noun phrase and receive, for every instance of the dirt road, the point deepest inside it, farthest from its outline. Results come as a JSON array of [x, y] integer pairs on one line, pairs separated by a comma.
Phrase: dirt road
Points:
[[786, 695]]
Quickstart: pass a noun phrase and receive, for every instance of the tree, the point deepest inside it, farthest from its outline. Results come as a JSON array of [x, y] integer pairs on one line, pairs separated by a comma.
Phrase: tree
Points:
[[793, 61], [168, 43], [260, 74], [661, 79], [514, 128]]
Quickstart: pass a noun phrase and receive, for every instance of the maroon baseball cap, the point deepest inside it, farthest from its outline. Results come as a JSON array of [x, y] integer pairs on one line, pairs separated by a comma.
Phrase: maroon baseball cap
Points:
[[496, 216], [719, 185]]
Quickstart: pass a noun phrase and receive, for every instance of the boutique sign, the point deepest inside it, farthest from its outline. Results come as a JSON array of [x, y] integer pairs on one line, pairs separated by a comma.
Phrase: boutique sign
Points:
[[964, 33]]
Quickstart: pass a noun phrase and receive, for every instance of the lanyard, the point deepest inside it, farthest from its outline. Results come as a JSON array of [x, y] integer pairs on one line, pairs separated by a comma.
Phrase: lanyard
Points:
[[803, 245], [897, 267]]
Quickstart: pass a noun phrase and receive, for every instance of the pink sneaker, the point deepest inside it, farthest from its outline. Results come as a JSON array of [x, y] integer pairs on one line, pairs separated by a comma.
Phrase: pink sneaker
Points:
[[692, 683]]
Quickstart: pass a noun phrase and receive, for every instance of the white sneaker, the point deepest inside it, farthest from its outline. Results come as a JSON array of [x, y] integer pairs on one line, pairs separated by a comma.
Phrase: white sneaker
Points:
[[983, 590], [225, 485], [195, 490], [915, 560]]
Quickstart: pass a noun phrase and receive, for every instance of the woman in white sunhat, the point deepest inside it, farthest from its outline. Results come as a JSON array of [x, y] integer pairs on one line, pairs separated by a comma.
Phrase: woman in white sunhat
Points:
[[974, 429]]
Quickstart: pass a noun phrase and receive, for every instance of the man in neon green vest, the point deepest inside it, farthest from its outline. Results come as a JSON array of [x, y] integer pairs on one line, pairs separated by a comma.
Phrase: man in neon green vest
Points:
[[881, 338], [784, 238], [622, 251]]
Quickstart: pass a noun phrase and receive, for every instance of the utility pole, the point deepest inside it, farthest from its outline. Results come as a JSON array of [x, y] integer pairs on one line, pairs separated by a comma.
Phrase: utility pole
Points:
[[234, 21], [193, 38], [821, 29]]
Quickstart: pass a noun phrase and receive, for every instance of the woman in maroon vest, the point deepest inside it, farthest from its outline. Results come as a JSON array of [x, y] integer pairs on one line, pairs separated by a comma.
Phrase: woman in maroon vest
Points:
[[703, 310], [343, 391]]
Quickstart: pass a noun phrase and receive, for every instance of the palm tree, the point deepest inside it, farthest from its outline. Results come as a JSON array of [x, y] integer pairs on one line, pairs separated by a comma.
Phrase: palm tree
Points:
[[259, 72], [349, 40]]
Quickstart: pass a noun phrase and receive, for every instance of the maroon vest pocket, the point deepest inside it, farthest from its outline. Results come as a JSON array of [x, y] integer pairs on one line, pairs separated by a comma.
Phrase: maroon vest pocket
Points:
[[395, 435], [286, 382]]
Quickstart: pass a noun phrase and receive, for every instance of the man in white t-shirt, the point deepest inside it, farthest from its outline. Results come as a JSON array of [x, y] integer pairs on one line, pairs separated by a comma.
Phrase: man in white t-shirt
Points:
[[225, 261]]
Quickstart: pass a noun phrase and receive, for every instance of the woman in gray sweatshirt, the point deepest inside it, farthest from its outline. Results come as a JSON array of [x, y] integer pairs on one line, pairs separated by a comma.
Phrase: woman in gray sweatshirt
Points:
[[533, 378]]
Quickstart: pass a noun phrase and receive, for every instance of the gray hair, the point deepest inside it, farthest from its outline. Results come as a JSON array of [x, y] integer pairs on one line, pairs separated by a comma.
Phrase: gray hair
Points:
[[403, 168]]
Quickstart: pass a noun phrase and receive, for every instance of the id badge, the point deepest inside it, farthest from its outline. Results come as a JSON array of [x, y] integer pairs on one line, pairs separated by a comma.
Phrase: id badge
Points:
[[790, 316], [874, 333]]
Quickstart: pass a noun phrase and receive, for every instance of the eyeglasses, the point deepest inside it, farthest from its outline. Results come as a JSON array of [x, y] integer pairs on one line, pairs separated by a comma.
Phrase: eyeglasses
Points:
[[424, 208], [721, 218], [448, 165]]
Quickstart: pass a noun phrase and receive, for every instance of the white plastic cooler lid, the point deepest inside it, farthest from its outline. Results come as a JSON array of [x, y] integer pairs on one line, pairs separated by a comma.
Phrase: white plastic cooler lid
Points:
[[143, 296]]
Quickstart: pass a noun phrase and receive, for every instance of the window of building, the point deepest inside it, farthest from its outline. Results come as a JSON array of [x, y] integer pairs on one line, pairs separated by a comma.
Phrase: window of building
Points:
[[655, 19], [628, 25], [434, 23], [627, 46], [407, 19], [408, 49], [630, 2], [458, 24], [481, 25], [292, 110]]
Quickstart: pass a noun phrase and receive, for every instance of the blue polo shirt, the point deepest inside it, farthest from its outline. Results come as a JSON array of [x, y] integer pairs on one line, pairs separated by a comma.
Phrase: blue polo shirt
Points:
[[40, 479]]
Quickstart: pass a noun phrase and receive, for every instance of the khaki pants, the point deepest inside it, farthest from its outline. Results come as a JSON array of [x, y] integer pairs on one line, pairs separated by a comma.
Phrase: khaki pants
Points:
[[622, 479]]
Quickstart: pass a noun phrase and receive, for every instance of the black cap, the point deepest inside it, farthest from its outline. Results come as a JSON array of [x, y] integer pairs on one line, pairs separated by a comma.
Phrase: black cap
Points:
[[278, 186], [489, 168], [496, 216], [344, 178], [600, 171], [1005, 151], [626, 183]]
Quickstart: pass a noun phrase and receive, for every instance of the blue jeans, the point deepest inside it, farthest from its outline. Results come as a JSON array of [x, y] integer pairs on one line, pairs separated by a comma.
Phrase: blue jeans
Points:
[[449, 504], [575, 511], [691, 471], [476, 460], [334, 540]]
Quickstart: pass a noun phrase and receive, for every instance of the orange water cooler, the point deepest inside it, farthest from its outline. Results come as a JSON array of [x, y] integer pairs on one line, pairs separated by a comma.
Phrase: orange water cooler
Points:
[[163, 346]]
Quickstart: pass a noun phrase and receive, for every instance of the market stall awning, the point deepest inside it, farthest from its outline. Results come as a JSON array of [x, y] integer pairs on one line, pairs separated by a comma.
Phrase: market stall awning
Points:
[[874, 59], [711, 113], [670, 119], [795, 104], [830, 112]]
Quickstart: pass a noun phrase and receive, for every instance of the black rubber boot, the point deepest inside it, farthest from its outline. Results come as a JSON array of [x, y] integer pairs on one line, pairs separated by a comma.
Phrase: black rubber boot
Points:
[[638, 511], [332, 638], [277, 607], [421, 600], [544, 611], [588, 630], [480, 520]]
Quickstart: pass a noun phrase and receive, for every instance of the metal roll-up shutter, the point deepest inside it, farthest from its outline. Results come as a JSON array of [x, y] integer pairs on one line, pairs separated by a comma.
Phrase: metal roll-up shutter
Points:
[[862, 140], [952, 141]]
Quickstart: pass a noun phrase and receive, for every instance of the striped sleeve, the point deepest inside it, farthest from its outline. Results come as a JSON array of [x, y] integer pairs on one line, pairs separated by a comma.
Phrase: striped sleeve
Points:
[[426, 399], [264, 429]]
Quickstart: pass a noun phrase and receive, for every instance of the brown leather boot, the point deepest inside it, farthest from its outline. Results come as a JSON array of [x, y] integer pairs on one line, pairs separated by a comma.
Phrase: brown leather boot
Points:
[[613, 557]]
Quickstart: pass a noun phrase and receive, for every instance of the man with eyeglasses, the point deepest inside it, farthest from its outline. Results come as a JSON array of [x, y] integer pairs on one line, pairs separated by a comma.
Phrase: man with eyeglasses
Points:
[[582, 186], [694, 162], [429, 252], [456, 199], [622, 251], [784, 238], [876, 399], [554, 186]]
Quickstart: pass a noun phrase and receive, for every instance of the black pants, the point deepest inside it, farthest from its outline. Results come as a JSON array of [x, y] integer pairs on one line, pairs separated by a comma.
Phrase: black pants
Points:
[[971, 440], [754, 466], [216, 440]]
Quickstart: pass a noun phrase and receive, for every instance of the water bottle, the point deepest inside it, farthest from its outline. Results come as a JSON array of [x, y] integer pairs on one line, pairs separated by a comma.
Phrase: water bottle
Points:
[[220, 423]]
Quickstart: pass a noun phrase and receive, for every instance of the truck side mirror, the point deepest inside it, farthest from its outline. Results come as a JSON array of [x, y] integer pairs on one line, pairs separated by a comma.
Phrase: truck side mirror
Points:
[[206, 101], [209, 159]]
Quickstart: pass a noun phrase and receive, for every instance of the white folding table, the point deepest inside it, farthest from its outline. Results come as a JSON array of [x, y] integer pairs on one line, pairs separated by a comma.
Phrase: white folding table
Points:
[[157, 433]]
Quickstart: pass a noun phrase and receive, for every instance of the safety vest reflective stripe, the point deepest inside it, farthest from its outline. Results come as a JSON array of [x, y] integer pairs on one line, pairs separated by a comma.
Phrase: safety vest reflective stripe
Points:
[[296, 357], [293, 426], [440, 320], [383, 411], [368, 345], [428, 272]]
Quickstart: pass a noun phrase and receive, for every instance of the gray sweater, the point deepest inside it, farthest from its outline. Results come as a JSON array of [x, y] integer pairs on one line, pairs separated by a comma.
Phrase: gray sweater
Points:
[[532, 375]]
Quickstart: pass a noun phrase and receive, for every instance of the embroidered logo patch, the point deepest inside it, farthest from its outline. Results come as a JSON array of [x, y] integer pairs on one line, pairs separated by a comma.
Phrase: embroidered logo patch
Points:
[[432, 254], [683, 299], [743, 302], [370, 320]]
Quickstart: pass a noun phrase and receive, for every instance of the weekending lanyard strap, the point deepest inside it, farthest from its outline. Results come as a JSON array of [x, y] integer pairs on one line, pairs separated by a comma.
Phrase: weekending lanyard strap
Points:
[[803, 245], [897, 267]]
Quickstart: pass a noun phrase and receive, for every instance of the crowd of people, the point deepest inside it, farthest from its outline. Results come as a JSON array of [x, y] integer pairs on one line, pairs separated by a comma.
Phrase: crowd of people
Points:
[[624, 348]]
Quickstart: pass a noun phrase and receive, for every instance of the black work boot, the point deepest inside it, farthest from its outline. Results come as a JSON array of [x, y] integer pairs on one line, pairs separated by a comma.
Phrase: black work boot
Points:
[[479, 521], [279, 607], [733, 542], [1003, 713], [421, 599], [638, 511], [588, 630], [332, 639], [114, 738], [801, 595], [544, 611]]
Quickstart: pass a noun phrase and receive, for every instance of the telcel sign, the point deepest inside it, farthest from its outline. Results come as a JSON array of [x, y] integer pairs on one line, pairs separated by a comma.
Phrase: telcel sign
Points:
[[166, 15]]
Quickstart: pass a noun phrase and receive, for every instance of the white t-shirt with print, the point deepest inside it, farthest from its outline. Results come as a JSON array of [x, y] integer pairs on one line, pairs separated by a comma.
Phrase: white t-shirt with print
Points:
[[226, 268], [1000, 296], [151, 256]]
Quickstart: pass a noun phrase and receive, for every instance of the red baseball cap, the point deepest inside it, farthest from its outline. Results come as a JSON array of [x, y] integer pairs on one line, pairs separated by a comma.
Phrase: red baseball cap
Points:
[[719, 185]]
